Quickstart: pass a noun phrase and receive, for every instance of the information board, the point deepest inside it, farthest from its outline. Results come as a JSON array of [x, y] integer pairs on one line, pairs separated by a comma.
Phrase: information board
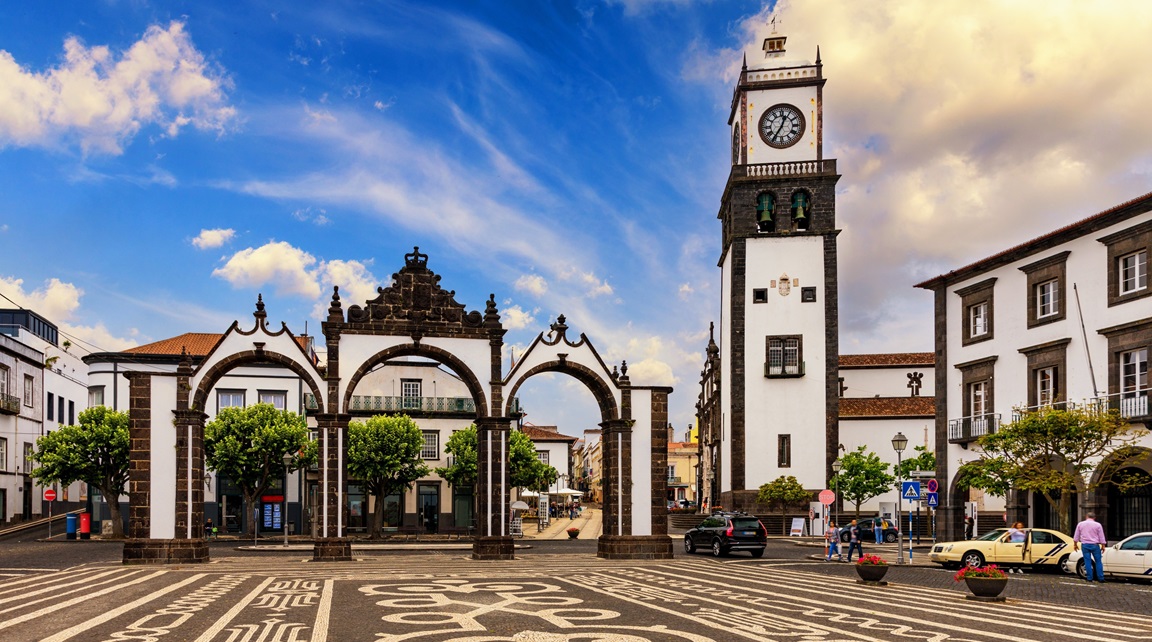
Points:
[[797, 529]]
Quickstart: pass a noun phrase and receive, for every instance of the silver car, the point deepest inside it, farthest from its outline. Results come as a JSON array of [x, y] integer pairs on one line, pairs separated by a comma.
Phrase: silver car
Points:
[[1131, 557]]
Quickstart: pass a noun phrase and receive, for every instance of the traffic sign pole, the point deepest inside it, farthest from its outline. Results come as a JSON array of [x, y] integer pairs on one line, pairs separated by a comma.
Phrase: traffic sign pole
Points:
[[49, 496]]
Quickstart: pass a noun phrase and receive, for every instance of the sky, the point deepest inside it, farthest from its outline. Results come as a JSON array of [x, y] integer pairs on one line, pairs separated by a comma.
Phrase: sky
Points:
[[163, 163]]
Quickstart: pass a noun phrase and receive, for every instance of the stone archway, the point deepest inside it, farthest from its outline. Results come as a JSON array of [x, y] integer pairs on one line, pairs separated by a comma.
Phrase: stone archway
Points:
[[417, 350]]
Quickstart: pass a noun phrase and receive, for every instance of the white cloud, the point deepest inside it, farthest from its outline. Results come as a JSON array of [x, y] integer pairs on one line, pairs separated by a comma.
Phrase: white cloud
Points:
[[59, 301], [319, 116], [316, 215], [213, 238], [686, 290], [516, 318], [101, 100], [532, 283], [595, 287]]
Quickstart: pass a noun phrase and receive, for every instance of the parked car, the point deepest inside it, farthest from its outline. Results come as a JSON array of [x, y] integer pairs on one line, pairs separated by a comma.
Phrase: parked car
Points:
[[868, 533], [1042, 548], [726, 532], [1131, 557], [687, 503]]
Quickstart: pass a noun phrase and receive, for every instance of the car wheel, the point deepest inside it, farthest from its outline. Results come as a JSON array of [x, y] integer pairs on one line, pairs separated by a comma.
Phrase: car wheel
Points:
[[1080, 569], [1063, 564], [890, 537], [972, 559], [717, 549], [689, 547], [758, 552]]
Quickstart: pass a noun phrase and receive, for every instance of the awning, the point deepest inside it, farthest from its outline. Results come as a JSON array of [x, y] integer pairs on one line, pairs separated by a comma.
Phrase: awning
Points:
[[529, 493], [568, 491]]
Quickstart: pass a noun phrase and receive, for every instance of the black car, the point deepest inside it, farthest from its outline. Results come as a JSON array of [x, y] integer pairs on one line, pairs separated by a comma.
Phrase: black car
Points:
[[724, 532], [867, 531]]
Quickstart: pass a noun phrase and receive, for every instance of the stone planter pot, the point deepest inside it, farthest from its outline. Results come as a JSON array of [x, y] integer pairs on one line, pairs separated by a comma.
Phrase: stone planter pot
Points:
[[573, 535], [986, 588], [871, 572]]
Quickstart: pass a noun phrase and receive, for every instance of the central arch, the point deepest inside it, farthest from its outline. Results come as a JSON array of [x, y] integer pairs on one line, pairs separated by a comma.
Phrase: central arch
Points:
[[471, 381]]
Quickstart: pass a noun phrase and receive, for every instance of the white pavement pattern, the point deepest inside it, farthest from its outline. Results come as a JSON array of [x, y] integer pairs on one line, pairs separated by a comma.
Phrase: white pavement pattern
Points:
[[544, 598]]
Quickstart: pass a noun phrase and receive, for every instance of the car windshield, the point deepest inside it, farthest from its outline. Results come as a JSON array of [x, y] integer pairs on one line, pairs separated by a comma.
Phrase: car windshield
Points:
[[992, 535], [745, 522]]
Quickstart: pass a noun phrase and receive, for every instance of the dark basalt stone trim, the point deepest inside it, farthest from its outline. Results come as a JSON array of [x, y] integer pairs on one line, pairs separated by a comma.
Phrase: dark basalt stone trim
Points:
[[493, 548], [332, 549], [165, 551], [634, 547]]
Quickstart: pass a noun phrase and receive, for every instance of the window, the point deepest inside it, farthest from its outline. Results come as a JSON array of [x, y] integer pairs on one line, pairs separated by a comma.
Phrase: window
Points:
[[765, 206], [29, 390], [672, 472], [1047, 299], [801, 210], [978, 399], [1046, 373], [71, 413], [977, 305], [1045, 386], [1134, 373], [28, 457], [3, 454], [229, 399], [410, 390], [760, 295], [1133, 272], [542, 455], [95, 396], [50, 406], [808, 295], [4, 380], [60, 405], [784, 451], [1128, 263], [1128, 347], [277, 398], [784, 357], [431, 449]]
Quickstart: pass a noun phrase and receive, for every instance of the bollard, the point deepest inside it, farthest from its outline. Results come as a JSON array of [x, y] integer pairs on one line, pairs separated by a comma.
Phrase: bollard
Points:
[[70, 526], [85, 525]]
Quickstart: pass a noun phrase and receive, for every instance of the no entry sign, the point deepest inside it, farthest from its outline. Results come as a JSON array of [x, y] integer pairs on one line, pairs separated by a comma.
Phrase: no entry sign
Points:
[[49, 495]]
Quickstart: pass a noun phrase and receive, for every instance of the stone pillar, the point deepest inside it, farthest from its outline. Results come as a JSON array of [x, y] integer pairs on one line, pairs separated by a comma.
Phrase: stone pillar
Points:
[[332, 545], [189, 425], [493, 540], [658, 504], [617, 476], [139, 455], [1016, 507]]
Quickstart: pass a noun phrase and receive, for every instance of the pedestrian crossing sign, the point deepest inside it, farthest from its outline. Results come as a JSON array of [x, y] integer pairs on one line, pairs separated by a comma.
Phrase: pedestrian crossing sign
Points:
[[933, 500], [910, 490]]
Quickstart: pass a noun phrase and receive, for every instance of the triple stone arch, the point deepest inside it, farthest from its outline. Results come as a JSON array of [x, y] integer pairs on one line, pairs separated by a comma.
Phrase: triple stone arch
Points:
[[413, 316]]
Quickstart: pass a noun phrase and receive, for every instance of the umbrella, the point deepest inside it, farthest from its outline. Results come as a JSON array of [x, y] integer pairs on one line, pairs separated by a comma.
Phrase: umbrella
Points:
[[518, 505], [568, 491], [529, 493]]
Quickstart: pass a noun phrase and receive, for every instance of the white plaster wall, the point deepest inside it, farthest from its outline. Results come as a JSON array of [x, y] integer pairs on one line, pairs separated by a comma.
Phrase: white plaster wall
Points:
[[793, 406], [163, 459], [804, 99], [876, 436], [725, 480], [642, 462], [887, 381]]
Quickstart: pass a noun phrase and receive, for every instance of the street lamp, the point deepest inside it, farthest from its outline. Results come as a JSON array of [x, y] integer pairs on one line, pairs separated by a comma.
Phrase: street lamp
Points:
[[836, 467], [899, 443], [284, 511]]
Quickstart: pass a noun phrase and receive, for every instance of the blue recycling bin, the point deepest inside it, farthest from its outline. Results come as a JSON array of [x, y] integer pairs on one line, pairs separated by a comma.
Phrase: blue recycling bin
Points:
[[70, 526]]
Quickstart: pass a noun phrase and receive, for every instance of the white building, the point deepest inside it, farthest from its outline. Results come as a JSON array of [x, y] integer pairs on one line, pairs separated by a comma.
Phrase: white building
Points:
[[1065, 318]]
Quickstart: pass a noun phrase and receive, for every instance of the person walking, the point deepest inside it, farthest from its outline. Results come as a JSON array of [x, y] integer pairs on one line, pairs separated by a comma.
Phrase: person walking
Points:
[[832, 542], [1090, 535], [854, 540], [969, 524], [878, 526]]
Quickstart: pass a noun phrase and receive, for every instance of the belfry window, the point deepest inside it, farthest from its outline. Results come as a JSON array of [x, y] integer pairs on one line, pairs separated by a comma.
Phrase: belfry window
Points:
[[765, 207], [800, 210]]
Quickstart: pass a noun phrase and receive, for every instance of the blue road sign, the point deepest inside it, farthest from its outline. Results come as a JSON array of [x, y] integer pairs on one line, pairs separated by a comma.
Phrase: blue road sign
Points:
[[933, 500], [910, 490]]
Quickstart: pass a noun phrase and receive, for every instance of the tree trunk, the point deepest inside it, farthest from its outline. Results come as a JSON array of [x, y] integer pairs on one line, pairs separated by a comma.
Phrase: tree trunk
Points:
[[113, 511], [1062, 510], [784, 519], [250, 507], [378, 516]]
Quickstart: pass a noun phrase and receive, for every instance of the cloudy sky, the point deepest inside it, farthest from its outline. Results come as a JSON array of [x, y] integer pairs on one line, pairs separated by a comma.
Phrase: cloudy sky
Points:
[[162, 163]]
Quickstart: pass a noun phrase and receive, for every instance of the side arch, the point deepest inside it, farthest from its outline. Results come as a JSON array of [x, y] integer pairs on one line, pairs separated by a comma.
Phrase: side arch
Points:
[[609, 410], [417, 350], [253, 357]]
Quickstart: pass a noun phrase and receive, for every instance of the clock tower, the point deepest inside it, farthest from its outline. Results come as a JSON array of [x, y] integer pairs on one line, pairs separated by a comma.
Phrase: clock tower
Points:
[[779, 351]]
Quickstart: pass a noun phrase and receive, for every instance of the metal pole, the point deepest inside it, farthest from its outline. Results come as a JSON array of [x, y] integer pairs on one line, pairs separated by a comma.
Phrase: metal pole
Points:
[[917, 522], [899, 508], [50, 521]]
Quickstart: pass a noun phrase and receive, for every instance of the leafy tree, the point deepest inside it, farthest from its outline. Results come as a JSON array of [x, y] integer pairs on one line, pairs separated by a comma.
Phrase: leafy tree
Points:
[[783, 492], [525, 470], [384, 453], [247, 445], [924, 460], [94, 452], [1058, 453], [862, 476]]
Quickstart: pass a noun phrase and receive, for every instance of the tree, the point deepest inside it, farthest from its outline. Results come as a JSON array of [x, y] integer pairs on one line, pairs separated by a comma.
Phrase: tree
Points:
[[525, 470], [783, 492], [1057, 453], [862, 476], [247, 445], [924, 460], [94, 452], [462, 468], [384, 453]]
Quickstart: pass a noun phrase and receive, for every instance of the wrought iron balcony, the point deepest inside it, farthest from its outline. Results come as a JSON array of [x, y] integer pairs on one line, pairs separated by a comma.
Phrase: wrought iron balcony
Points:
[[371, 403], [1058, 405], [783, 170], [968, 429], [9, 404], [1130, 404]]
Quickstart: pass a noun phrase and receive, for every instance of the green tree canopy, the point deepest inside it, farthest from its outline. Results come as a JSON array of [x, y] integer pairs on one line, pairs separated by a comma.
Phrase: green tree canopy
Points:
[[525, 470], [384, 453], [94, 452], [247, 445], [462, 446], [924, 460], [783, 492], [1057, 453], [862, 476]]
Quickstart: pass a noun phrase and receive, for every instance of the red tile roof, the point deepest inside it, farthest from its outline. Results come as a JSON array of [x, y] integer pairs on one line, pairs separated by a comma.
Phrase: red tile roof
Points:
[[887, 406], [545, 433], [198, 344], [888, 359]]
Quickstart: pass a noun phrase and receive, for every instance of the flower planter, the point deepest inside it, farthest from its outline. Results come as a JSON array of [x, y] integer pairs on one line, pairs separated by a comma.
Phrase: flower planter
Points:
[[986, 588], [871, 573], [573, 534]]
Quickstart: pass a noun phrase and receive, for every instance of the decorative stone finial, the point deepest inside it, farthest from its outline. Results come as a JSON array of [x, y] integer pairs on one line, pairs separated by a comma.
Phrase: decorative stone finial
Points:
[[491, 313], [558, 330], [335, 313], [416, 259], [260, 314]]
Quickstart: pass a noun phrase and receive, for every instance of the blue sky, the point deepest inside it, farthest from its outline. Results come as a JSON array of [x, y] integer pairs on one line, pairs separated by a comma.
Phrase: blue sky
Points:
[[162, 163]]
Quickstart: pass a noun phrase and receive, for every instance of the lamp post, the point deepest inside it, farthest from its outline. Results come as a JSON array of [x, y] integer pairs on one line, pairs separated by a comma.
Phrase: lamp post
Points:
[[284, 510], [899, 443], [836, 467]]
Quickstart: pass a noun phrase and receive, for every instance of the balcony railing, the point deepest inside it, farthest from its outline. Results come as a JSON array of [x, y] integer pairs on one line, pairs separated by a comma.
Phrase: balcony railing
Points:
[[676, 481], [780, 370], [9, 404], [1058, 405], [1130, 404], [795, 168], [968, 429], [374, 403]]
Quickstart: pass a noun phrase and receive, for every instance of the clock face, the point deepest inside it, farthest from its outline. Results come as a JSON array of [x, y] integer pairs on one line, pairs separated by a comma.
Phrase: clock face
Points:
[[781, 126]]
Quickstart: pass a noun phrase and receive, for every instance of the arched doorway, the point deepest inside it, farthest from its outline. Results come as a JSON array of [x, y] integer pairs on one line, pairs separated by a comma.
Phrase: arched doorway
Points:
[[1130, 511], [1047, 515]]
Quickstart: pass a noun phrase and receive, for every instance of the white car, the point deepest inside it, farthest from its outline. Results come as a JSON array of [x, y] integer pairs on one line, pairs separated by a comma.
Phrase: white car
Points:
[[1131, 557]]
